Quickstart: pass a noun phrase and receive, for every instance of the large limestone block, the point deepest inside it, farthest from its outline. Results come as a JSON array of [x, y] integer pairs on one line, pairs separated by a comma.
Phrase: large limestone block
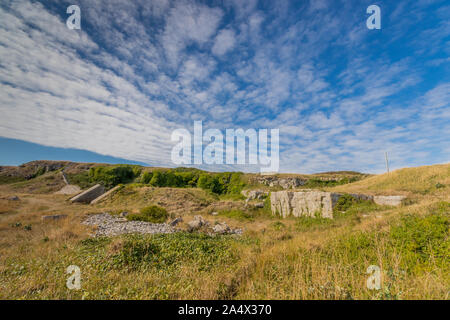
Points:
[[308, 203], [388, 200], [90, 194]]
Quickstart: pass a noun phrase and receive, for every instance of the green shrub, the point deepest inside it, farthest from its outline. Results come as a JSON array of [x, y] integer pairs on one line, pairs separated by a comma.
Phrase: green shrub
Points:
[[146, 177], [152, 214], [80, 179], [345, 202]]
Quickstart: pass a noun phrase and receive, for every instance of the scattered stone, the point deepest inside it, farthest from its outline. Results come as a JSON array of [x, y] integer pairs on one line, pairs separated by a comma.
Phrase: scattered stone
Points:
[[107, 225], [176, 221], [90, 194], [54, 217], [214, 213], [221, 228], [14, 198]]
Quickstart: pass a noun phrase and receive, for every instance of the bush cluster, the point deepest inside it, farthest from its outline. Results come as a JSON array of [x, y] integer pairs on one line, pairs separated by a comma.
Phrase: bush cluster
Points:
[[114, 175], [218, 183]]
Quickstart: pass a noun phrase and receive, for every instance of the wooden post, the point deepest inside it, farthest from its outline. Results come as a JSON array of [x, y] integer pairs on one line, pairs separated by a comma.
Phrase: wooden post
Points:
[[387, 162]]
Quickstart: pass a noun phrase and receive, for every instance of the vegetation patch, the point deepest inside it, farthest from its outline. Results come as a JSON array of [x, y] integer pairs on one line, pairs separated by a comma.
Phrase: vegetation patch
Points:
[[312, 223], [146, 252], [152, 214]]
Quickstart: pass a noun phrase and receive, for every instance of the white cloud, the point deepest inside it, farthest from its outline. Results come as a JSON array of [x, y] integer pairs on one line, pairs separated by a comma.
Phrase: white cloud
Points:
[[224, 42]]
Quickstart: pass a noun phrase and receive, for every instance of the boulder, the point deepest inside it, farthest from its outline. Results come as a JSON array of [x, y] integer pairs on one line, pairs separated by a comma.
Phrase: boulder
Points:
[[196, 224], [14, 198], [124, 214], [90, 194], [221, 228]]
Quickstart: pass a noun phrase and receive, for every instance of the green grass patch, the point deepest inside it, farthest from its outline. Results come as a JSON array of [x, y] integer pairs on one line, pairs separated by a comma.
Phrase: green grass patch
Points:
[[237, 214], [312, 223], [165, 251]]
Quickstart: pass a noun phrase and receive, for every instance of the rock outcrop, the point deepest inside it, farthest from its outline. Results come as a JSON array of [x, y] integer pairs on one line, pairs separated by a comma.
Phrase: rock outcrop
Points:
[[285, 183], [90, 194]]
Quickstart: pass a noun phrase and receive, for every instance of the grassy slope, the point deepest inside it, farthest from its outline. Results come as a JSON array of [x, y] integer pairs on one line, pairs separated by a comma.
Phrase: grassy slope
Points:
[[421, 180], [276, 259]]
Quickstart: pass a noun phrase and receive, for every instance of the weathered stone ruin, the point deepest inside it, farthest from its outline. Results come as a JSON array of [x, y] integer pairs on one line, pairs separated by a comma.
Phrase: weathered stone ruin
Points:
[[308, 203], [105, 195], [313, 203], [90, 194]]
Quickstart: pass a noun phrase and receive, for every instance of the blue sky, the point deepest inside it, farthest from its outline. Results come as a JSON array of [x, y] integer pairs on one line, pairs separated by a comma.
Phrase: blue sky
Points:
[[340, 94]]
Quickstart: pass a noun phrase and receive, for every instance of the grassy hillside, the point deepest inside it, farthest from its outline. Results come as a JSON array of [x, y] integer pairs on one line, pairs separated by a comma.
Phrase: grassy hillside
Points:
[[426, 180], [293, 258]]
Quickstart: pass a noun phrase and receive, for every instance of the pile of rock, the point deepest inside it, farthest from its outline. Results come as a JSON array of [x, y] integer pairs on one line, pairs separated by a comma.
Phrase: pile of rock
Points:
[[107, 225]]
